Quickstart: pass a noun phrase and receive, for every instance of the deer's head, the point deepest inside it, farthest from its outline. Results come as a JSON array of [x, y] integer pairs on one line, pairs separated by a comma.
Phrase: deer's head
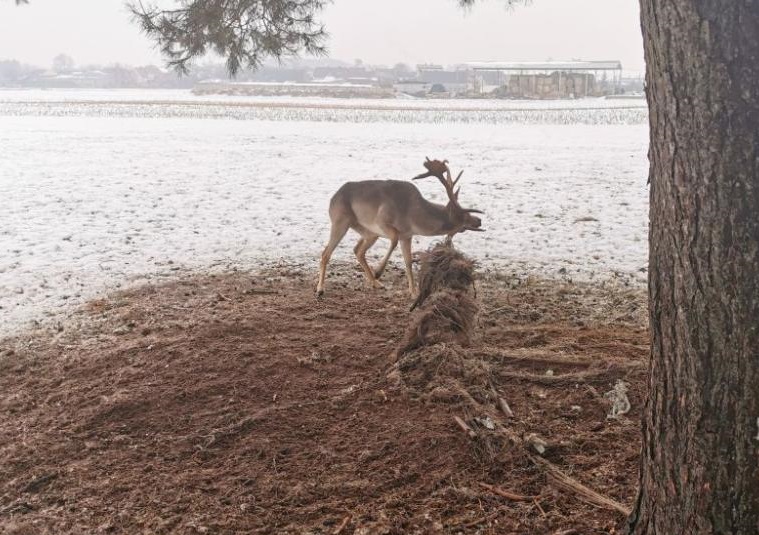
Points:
[[461, 218]]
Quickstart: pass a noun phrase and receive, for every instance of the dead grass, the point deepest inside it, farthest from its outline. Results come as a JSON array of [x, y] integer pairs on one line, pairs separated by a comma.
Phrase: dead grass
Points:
[[241, 404]]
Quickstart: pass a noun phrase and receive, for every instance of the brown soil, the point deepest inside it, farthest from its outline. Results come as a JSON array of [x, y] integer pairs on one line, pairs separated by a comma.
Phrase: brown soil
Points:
[[241, 404]]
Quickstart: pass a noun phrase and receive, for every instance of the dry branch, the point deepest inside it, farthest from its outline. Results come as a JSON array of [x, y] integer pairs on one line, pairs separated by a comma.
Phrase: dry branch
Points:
[[537, 504], [583, 493], [343, 525], [506, 494], [541, 355], [465, 427], [576, 377], [505, 407]]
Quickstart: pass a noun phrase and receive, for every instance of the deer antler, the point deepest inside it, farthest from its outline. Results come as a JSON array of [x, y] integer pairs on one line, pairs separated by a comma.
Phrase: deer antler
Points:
[[439, 169], [434, 168]]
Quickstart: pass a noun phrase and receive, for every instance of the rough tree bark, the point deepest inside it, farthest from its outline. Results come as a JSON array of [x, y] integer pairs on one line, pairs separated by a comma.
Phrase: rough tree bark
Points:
[[700, 462]]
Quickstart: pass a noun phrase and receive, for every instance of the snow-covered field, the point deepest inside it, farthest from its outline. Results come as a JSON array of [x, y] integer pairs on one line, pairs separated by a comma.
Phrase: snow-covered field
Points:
[[185, 96], [168, 104], [104, 189]]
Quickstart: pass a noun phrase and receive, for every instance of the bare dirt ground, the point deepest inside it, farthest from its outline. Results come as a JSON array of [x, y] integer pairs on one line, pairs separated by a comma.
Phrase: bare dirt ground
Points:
[[241, 404]]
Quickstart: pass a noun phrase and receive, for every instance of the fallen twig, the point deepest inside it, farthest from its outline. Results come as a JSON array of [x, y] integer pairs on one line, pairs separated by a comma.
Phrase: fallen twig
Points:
[[506, 494], [343, 525], [537, 443], [575, 377], [537, 504], [465, 427], [505, 407], [567, 483], [542, 355]]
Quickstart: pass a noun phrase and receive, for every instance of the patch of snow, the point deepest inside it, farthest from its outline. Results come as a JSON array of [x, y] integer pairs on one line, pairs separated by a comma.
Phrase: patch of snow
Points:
[[94, 203]]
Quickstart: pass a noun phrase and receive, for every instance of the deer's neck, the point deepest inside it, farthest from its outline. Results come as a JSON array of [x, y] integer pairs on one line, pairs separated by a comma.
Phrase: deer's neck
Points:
[[436, 220]]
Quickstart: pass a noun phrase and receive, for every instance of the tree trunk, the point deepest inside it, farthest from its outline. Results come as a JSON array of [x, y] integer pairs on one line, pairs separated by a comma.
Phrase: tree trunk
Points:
[[700, 459]]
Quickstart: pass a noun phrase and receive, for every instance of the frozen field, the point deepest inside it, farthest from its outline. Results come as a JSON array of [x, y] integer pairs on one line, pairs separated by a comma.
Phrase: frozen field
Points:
[[185, 96], [104, 189], [176, 104]]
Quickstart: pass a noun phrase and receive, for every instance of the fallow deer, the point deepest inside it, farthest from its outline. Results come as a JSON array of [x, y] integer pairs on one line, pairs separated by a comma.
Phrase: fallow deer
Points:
[[397, 211]]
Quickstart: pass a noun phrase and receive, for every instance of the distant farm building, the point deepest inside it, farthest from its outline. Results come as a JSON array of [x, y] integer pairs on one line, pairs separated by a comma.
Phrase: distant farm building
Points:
[[440, 80], [436, 80], [546, 80], [493, 79], [412, 87]]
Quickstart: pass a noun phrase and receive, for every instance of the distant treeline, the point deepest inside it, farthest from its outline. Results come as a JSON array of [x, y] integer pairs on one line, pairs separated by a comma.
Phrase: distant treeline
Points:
[[64, 73]]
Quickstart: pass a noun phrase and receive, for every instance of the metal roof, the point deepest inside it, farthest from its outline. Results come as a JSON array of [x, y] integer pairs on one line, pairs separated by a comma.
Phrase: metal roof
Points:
[[545, 66]]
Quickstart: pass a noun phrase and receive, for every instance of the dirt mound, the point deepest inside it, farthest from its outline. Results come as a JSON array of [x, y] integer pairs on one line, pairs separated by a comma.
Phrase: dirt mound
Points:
[[241, 404]]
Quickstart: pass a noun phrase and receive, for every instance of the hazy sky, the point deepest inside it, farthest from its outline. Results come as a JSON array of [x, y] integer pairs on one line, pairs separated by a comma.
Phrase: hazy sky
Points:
[[376, 31]]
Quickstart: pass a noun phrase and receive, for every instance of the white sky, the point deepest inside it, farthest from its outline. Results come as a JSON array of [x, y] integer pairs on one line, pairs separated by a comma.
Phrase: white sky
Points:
[[386, 31]]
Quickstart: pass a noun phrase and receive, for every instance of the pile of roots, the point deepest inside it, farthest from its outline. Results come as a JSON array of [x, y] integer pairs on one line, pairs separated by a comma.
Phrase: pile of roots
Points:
[[445, 373], [436, 362], [445, 310]]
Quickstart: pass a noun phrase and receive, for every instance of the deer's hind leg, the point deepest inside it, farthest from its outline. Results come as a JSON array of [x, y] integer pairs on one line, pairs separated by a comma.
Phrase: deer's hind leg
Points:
[[393, 237], [384, 220], [363, 245], [406, 249], [338, 230]]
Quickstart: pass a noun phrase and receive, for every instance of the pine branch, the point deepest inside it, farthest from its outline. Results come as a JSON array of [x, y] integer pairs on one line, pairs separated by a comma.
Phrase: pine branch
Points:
[[244, 32]]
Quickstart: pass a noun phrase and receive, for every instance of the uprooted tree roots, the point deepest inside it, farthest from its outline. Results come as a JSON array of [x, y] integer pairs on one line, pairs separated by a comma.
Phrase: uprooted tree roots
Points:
[[445, 310], [444, 269], [433, 364], [432, 361], [436, 363]]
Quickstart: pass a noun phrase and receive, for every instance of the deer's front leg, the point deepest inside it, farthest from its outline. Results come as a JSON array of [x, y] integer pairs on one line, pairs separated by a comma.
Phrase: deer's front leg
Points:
[[338, 230]]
